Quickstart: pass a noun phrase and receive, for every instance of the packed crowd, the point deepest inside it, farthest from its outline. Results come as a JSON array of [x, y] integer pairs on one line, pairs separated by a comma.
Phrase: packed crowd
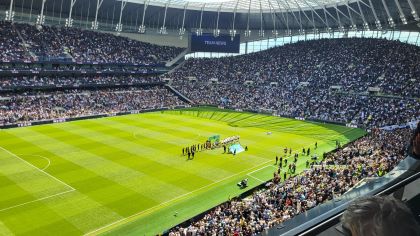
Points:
[[305, 102], [11, 46], [59, 81], [82, 46], [371, 156], [355, 64], [36, 106], [324, 79]]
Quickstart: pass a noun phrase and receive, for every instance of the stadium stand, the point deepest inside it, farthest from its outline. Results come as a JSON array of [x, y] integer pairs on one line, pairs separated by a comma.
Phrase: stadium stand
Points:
[[39, 106], [78, 45], [326, 79]]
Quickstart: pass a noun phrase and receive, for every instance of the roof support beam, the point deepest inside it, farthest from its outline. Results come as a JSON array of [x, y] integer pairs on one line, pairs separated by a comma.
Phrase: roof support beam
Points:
[[10, 13], [200, 30], [182, 29], [233, 31], [390, 20], [365, 24], [314, 11], [286, 19], [261, 33], [353, 26], [69, 21], [413, 11], [293, 13], [340, 27], [402, 16], [377, 21], [95, 23], [216, 31], [142, 28], [162, 29], [40, 20], [118, 27], [248, 32]]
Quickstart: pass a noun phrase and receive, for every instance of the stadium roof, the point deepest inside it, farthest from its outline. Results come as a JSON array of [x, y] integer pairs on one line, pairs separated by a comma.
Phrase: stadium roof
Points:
[[245, 6], [274, 17]]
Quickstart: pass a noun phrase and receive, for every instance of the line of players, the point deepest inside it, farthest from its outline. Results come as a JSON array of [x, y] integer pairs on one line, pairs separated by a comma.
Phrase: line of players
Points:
[[191, 150], [292, 166]]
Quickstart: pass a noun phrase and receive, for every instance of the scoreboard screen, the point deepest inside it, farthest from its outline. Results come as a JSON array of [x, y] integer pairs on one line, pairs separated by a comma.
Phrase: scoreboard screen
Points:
[[210, 43]]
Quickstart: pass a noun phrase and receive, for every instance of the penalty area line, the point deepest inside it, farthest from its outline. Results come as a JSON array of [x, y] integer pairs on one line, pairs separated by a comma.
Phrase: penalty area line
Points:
[[130, 218], [37, 200], [55, 178]]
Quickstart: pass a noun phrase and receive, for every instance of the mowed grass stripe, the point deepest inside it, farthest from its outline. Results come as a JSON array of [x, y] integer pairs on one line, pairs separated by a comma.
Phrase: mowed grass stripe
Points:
[[90, 155], [100, 136], [97, 201], [163, 154]]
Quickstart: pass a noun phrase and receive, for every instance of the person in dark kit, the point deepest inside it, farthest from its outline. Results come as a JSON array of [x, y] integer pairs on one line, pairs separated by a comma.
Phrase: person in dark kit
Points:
[[295, 160], [316, 145], [183, 152], [307, 163], [281, 161], [290, 168], [277, 159], [246, 148], [278, 171], [192, 154], [303, 151], [290, 151], [234, 152], [308, 152], [224, 148], [294, 168], [285, 162], [285, 150], [285, 175], [189, 155], [243, 183]]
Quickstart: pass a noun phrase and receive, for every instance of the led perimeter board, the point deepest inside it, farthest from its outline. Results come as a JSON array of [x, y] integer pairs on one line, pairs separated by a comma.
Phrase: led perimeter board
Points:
[[210, 43]]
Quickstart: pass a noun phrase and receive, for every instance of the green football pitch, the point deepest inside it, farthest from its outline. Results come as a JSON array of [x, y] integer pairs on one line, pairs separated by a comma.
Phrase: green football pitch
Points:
[[125, 175]]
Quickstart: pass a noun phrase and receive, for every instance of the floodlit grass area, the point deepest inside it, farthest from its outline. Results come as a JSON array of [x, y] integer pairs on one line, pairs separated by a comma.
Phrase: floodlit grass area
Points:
[[125, 175]]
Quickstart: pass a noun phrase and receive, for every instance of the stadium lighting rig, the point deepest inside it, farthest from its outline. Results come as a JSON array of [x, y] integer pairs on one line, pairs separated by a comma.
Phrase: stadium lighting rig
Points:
[[216, 32], [69, 22], [341, 29], [118, 27], [142, 29], [353, 27], [366, 26], [261, 33], [391, 22], [378, 25], [95, 25], [301, 31], [275, 33], [40, 20], [288, 32], [162, 30], [415, 16], [247, 33], [199, 31], [10, 15], [232, 34]]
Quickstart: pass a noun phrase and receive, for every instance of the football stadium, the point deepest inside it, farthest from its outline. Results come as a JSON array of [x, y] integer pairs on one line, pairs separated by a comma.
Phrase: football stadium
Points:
[[218, 117]]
